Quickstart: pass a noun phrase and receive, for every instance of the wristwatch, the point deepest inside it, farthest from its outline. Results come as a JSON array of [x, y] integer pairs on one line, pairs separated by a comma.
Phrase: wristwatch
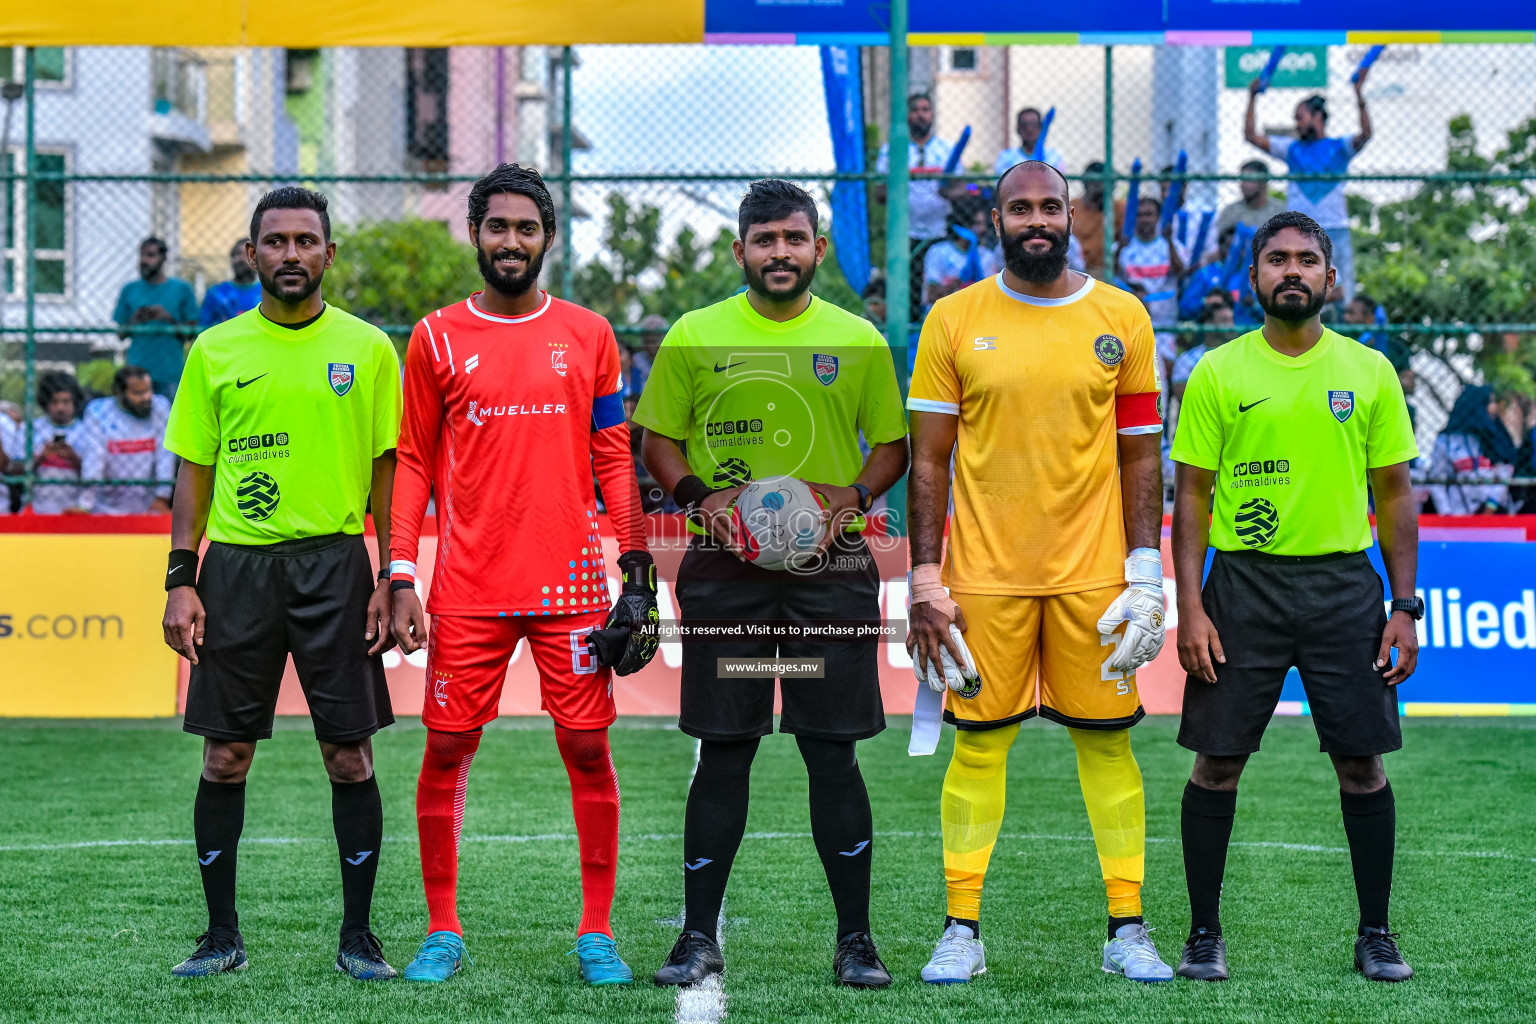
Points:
[[866, 497], [1412, 605]]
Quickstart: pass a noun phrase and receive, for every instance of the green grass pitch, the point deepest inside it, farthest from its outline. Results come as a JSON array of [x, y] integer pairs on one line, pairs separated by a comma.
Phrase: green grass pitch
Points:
[[89, 933]]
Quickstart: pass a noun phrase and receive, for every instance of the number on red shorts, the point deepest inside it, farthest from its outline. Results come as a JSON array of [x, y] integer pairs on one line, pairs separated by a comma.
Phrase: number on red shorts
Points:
[[583, 661]]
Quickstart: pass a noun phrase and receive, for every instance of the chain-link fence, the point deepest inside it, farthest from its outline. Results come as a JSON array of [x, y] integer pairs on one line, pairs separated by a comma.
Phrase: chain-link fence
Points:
[[1426, 190]]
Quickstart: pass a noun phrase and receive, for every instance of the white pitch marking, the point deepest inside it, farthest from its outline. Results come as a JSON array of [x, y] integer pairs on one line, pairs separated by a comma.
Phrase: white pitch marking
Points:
[[703, 1003], [669, 837]]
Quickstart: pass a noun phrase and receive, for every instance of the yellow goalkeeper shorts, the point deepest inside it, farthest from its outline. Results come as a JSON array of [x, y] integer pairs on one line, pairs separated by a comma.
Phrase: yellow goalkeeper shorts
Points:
[[1043, 655]]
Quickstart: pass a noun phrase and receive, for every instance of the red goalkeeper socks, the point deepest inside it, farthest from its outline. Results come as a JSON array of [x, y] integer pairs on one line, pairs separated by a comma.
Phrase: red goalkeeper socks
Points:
[[440, 818], [595, 801]]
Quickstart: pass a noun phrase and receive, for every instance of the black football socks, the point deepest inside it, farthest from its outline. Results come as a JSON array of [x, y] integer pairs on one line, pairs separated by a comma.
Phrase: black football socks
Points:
[[218, 816], [358, 816], [1370, 823], [842, 827], [1206, 824], [713, 826]]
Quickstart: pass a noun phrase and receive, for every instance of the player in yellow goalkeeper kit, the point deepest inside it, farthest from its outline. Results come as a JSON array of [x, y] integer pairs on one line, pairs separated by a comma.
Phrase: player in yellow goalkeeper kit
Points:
[[1042, 383]]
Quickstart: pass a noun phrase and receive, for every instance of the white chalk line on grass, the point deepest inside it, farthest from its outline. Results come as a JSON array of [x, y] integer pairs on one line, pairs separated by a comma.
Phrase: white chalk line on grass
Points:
[[703, 1003], [667, 837]]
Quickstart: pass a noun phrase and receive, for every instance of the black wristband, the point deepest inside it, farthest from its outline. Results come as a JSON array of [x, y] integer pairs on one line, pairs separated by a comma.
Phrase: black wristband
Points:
[[383, 573], [691, 490], [182, 569], [638, 571], [402, 585]]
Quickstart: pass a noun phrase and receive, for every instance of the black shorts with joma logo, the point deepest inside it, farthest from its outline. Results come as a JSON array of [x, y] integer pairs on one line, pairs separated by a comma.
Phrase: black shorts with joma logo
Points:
[[308, 598]]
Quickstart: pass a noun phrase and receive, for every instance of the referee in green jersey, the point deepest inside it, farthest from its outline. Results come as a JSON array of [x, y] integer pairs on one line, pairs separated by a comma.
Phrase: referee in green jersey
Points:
[[286, 420], [1291, 425], [775, 382]]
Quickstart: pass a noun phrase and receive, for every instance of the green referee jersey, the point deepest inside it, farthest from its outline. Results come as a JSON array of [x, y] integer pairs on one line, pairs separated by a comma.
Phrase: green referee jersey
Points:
[[291, 421], [751, 397], [1290, 441]]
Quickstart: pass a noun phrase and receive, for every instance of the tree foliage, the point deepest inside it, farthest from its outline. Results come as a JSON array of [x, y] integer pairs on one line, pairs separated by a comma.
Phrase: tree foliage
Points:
[[392, 272]]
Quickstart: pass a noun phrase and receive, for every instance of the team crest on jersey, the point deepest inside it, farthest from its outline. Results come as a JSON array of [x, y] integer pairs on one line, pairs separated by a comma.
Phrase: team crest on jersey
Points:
[[1341, 404], [557, 358], [1109, 349], [971, 690], [341, 377], [826, 368]]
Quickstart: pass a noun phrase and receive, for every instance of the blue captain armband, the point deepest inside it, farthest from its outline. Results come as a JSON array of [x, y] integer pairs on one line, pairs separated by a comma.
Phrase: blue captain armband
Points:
[[607, 410]]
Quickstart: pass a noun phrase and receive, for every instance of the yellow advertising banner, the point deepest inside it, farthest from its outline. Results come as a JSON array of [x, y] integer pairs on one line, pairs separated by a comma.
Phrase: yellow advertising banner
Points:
[[80, 627], [351, 23]]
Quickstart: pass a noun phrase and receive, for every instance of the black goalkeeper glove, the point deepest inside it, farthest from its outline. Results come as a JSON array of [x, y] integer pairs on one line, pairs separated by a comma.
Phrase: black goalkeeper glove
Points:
[[633, 613]]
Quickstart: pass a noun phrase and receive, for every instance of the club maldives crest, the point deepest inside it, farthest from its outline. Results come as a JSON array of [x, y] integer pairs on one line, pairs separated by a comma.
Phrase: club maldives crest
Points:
[[826, 368], [341, 376], [1341, 404]]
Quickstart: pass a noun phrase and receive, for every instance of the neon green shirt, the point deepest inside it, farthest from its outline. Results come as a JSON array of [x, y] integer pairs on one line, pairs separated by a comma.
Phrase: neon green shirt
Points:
[[1291, 440], [291, 421], [752, 397]]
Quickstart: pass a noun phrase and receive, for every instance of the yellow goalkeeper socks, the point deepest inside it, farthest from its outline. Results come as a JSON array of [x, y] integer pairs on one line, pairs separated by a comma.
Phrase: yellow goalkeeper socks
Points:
[[1116, 804], [971, 811]]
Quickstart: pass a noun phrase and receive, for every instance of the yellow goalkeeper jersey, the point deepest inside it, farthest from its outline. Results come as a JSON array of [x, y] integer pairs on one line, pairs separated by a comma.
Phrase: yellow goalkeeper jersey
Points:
[[1041, 387]]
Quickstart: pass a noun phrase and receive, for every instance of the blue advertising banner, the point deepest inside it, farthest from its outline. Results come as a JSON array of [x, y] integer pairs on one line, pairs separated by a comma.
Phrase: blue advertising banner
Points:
[[843, 82]]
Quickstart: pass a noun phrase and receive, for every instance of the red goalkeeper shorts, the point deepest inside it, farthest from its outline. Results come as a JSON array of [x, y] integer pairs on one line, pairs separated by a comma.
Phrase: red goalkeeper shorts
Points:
[[467, 666]]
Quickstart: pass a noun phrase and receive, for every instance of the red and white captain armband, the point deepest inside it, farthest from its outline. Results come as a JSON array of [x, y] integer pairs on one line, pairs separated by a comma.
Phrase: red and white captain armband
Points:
[[402, 575]]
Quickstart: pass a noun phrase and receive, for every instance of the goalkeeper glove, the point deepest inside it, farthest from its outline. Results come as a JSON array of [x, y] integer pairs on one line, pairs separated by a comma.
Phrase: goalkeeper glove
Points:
[[1140, 607], [956, 677], [634, 612]]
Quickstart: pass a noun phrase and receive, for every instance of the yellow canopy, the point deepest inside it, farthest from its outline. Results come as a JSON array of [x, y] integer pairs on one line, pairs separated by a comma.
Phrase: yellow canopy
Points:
[[317, 23]]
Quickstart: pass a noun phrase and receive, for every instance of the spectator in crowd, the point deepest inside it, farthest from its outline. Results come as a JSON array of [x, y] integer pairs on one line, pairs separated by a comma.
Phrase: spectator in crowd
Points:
[[1152, 261], [10, 454], [928, 203], [1088, 220], [1256, 206], [653, 328], [1185, 229], [124, 439], [57, 437], [1217, 314], [1399, 356], [1476, 454], [156, 299], [1029, 124], [228, 299], [874, 301], [958, 261], [1312, 151]]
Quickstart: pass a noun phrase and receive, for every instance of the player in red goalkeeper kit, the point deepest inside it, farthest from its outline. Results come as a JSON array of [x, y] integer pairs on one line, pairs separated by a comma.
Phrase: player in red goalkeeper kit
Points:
[[512, 403]]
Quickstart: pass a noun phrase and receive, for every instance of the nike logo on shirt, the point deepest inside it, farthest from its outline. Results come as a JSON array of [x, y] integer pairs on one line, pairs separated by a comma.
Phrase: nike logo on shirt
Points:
[[205, 861], [729, 366], [242, 383], [1244, 408], [355, 861], [697, 864]]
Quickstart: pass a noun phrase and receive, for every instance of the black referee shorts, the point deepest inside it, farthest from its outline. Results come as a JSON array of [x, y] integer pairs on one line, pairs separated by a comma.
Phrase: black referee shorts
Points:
[[306, 597], [1325, 616], [714, 586]]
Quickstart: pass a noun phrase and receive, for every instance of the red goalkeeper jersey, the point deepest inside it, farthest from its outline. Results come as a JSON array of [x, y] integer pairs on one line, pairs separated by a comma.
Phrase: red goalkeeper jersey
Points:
[[506, 420]]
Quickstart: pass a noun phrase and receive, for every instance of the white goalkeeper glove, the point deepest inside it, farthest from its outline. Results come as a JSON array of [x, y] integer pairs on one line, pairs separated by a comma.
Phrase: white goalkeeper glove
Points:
[[956, 677], [1140, 607]]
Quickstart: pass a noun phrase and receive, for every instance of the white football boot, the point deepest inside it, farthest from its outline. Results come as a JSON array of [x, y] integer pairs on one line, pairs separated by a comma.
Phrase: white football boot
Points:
[[1132, 954], [957, 958]]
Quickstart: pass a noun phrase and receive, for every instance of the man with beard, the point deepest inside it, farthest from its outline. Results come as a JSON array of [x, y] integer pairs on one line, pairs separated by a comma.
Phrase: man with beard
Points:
[[124, 439], [156, 299], [1042, 384], [1295, 427], [228, 299], [1313, 152], [775, 381], [513, 400], [286, 422]]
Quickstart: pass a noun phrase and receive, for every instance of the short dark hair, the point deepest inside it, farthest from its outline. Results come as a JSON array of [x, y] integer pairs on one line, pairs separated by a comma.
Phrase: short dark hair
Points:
[[1301, 222], [55, 381], [914, 97], [1094, 167], [125, 374], [157, 242], [292, 197], [1033, 165], [1255, 167], [772, 199], [513, 179], [1027, 110], [1317, 103], [1364, 300], [875, 289]]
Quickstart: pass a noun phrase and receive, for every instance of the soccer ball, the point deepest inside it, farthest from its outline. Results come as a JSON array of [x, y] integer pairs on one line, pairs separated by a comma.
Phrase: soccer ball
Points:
[[780, 522]]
